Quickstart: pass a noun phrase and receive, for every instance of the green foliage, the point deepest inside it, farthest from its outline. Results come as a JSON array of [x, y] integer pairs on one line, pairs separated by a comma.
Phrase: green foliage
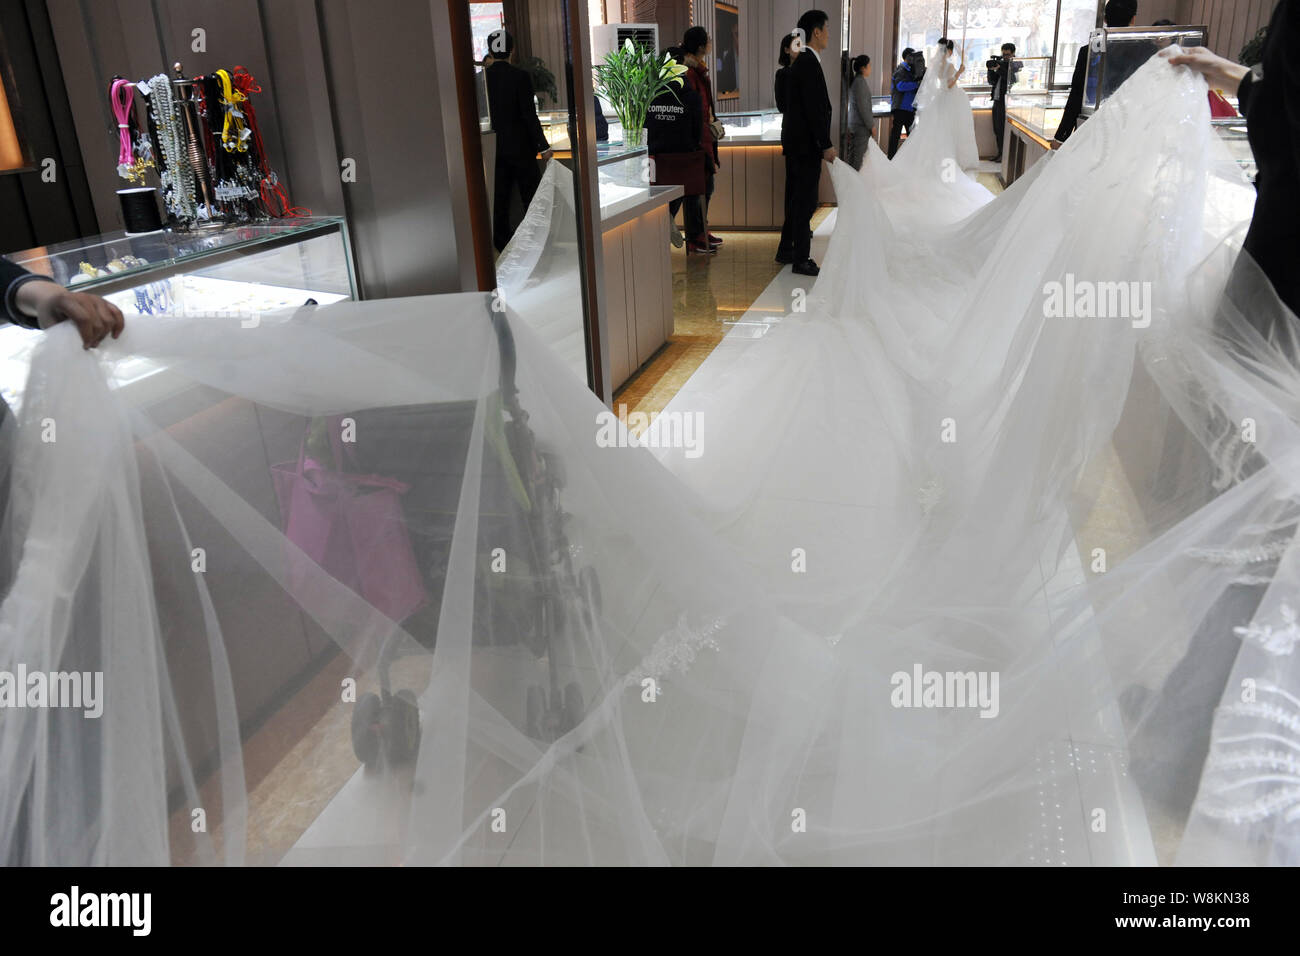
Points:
[[1253, 52], [543, 78], [631, 77]]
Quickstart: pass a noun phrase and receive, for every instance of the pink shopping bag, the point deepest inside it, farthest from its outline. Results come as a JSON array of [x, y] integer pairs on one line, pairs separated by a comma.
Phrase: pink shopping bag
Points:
[[353, 528]]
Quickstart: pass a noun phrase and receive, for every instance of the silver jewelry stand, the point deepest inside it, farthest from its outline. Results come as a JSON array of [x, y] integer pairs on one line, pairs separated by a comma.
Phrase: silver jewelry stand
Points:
[[198, 156]]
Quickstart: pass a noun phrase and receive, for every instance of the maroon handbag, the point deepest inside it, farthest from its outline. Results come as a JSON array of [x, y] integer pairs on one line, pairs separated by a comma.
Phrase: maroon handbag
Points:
[[688, 170]]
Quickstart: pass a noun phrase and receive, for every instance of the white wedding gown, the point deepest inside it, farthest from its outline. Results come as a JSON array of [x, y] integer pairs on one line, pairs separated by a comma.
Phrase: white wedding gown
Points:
[[943, 141], [898, 479]]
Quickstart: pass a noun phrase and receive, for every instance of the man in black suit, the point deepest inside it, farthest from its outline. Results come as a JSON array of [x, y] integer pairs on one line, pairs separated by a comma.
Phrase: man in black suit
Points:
[[1002, 76], [805, 142], [1118, 13], [518, 133]]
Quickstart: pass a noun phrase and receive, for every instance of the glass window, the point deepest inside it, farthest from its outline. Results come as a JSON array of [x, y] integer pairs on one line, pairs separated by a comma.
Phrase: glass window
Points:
[[1047, 53], [920, 23], [483, 19], [1078, 20]]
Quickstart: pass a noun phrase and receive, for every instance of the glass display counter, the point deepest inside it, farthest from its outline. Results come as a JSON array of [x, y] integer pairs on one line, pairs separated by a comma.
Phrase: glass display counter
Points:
[[235, 271], [1039, 112], [625, 188], [750, 181], [757, 126], [1233, 134], [1116, 53]]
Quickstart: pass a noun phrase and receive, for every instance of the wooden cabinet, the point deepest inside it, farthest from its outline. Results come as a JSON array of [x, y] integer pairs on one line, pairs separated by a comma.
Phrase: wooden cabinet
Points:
[[638, 289]]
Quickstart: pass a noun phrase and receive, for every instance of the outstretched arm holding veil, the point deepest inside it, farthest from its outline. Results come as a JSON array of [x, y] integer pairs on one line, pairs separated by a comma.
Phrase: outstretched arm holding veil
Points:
[[960, 70], [1269, 98]]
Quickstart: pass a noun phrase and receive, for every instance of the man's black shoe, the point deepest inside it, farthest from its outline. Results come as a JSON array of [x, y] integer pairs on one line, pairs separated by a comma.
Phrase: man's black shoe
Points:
[[806, 268]]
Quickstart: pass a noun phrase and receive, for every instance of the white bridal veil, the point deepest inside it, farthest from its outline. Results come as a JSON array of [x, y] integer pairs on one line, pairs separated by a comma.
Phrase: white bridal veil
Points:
[[987, 559]]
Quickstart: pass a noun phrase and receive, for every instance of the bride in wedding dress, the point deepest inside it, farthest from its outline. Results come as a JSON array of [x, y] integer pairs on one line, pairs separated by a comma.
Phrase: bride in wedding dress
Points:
[[944, 137], [954, 525], [932, 174]]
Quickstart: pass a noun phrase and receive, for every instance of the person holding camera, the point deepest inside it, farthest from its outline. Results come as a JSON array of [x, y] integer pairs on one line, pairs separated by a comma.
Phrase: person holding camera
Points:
[[1002, 76], [903, 86]]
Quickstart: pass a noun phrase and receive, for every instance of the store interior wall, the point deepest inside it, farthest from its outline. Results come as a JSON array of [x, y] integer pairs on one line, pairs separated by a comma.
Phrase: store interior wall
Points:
[[762, 24], [342, 81], [1231, 23], [47, 199], [538, 30]]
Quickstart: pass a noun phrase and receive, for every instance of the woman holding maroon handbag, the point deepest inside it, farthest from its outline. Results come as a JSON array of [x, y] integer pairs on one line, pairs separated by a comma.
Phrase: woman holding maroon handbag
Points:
[[674, 126], [695, 47]]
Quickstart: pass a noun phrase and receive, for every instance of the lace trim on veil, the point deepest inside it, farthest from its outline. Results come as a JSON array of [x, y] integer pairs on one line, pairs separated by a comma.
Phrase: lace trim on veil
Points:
[[1250, 777], [676, 650]]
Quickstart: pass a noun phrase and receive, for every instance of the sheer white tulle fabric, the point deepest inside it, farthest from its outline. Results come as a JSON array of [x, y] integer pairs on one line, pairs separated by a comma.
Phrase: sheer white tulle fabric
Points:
[[616, 663], [537, 272]]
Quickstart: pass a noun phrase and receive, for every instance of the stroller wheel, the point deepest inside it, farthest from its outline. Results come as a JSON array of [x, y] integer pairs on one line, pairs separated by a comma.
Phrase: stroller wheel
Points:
[[535, 711], [589, 591], [402, 728], [554, 465], [367, 716], [573, 712], [548, 620]]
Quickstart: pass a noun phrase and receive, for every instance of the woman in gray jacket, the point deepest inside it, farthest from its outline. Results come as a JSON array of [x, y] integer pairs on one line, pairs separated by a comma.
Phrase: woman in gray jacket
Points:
[[861, 120]]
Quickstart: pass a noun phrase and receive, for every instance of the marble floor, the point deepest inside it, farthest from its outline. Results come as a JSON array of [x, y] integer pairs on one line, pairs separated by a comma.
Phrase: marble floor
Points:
[[711, 293]]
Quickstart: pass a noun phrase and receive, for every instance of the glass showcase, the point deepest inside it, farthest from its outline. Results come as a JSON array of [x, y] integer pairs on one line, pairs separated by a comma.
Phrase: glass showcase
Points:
[[235, 271]]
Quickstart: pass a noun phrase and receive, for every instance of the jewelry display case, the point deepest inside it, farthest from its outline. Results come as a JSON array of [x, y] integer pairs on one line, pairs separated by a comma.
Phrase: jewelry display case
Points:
[[1039, 112], [755, 126], [234, 271], [1115, 53], [1233, 134], [750, 182], [625, 189]]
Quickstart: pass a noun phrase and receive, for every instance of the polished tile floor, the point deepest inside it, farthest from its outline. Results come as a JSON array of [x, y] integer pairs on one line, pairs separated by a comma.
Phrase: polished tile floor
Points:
[[709, 294]]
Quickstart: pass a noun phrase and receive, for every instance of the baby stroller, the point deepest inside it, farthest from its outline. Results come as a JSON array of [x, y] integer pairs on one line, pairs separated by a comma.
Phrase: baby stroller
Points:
[[425, 447]]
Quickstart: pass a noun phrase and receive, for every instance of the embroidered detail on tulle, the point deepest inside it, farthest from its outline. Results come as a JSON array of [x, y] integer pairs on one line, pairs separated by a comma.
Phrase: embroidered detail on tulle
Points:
[[1258, 758], [676, 650], [1276, 640], [1284, 802], [1274, 713], [1249, 777], [1228, 453], [1240, 557], [929, 495]]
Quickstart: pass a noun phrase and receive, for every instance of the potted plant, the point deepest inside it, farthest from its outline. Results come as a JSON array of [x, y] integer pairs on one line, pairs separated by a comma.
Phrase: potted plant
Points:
[[630, 79], [542, 77]]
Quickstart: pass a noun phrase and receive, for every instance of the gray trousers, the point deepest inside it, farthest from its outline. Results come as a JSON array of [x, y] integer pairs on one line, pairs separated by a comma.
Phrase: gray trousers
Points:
[[858, 145]]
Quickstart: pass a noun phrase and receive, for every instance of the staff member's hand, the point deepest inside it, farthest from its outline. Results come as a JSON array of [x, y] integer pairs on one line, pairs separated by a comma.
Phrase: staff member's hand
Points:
[[95, 317], [1221, 73]]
